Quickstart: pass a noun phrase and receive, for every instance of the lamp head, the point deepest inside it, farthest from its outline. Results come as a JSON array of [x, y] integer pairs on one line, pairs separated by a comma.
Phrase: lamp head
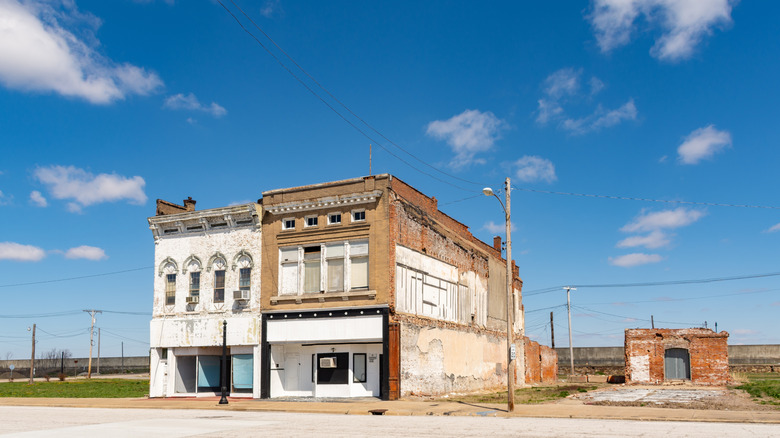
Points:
[[487, 191]]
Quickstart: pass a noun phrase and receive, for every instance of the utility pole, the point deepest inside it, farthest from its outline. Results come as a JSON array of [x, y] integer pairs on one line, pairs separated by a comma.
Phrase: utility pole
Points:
[[568, 307], [510, 297], [369, 160], [98, 367], [92, 313], [123, 357], [552, 331], [32, 356], [652, 322]]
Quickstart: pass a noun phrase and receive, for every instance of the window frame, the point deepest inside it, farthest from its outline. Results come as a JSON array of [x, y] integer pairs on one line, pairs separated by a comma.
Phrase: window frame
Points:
[[216, 289], [356, 212], [170, 290], [248, 285], [365, 367], [194, 292], [330, 218], [314, 218], [285, 226]]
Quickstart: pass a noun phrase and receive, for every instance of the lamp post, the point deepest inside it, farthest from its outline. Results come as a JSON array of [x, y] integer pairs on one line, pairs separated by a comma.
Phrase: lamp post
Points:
[[223, 378], [510, 346]]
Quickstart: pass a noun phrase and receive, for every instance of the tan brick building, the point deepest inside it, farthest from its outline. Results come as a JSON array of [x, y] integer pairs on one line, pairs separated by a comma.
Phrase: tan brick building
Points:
[[698, 355], [369, 290]]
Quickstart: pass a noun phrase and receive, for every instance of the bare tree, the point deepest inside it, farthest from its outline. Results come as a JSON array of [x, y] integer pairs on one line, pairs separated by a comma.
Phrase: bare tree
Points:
[[51, 359], [9, 356]]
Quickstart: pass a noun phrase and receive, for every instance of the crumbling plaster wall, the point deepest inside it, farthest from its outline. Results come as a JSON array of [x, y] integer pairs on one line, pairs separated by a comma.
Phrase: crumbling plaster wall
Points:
[[645, 352], [437, 361]]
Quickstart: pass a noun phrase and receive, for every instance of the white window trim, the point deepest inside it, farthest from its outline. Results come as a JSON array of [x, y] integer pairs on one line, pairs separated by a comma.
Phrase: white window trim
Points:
[[284, 223], [347, 257], [341, 218], [306, 221], [352, 215]]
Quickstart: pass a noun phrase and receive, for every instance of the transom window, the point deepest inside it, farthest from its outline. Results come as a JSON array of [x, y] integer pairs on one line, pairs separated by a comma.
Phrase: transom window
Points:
[[358, 216]]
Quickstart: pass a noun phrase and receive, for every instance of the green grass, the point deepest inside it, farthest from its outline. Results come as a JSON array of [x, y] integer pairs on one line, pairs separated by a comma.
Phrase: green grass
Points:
[[93, 388], [763, 387]]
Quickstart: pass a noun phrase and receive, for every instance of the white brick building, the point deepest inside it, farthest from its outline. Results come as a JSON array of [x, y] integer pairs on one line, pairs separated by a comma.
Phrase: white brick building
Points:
[[207, 270]]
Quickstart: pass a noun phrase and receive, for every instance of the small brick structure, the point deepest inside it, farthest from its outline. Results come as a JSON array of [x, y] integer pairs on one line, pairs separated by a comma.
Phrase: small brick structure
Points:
[[656, 356], [541, 363]]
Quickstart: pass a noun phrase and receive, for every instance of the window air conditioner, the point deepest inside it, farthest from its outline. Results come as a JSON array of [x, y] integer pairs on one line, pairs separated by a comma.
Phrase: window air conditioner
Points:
[[327, 362], [241, 295], [193, 300]]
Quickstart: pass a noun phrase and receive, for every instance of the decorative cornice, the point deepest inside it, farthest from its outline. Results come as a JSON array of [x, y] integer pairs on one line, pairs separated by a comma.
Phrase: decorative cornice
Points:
[[233, 216], [326, 202]]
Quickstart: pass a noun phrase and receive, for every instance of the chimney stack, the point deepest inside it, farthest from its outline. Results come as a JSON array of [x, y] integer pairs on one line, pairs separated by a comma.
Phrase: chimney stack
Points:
[[189, 204], [497, 243]]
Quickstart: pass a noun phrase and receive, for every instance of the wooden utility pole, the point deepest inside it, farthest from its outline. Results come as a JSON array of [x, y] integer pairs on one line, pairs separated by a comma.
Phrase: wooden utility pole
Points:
[[652, 322], [98, 367], [571, 344], [92, 313], [32, 356], [552, 331]]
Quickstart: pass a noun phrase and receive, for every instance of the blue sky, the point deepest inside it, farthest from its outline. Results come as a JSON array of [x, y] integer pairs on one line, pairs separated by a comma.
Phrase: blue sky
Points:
[[107, 106]]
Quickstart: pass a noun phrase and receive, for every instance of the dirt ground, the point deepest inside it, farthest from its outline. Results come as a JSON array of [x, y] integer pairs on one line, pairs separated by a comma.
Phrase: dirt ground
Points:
[[678, 397]]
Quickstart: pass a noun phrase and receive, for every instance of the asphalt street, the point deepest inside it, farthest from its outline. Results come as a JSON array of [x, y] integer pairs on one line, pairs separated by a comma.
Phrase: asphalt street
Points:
[[27, 421]]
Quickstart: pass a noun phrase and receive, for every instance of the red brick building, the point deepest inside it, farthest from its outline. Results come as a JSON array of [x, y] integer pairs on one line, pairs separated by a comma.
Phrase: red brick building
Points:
[[541, 363], [655, 356]]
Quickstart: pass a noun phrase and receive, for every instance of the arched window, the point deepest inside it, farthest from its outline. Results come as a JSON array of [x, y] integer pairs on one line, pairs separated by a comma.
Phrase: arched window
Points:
[[218, 264]]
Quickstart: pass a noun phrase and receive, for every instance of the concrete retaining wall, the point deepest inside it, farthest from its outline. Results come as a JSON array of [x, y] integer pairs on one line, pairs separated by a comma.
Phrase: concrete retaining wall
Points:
[[766, 354], [78, 364]]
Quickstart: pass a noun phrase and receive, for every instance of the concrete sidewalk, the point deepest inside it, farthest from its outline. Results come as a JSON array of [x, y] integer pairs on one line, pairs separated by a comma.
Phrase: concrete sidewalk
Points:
[[568, 408]]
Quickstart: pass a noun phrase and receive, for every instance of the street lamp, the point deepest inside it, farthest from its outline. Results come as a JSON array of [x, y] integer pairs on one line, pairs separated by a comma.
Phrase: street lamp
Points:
[[223, 369], [510, 346]]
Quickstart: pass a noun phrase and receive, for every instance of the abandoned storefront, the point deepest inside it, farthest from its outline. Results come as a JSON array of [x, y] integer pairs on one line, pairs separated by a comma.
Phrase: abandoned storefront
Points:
[[696, 355]]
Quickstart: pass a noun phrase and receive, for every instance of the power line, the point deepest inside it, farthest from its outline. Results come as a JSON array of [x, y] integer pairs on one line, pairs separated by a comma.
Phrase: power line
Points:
[[635, 319], [631, 198], [41, 315], [654, 283], [707, 297], [76, 278], [326, 103]]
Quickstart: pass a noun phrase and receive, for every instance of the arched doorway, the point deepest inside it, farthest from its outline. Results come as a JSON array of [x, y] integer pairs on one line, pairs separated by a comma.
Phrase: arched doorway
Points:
[[677, 364]]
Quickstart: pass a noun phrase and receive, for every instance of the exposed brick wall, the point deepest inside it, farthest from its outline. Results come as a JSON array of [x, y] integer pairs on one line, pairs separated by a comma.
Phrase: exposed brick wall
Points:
[[549, 364], [533, 362], [541, 363], [646, 349]]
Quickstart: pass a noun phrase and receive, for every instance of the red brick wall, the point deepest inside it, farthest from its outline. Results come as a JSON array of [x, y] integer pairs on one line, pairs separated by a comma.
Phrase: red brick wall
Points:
[[549, 364], [533, 362], [645, 349]]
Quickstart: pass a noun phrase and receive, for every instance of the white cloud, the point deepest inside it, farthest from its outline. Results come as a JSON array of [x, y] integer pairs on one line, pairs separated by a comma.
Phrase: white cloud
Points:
[[271, 8], [38, 54], [635, 259], [656, 239], [548, 110], [703, 143], [564, 82], [467, 133], [20, 253], [683, 23], [533, 168], [563, 86], [658, 220], [494, 228], [774, 228], [190, 102], [86, 189], [601, 118], [86, 252], [5, 199], [37, 198]]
